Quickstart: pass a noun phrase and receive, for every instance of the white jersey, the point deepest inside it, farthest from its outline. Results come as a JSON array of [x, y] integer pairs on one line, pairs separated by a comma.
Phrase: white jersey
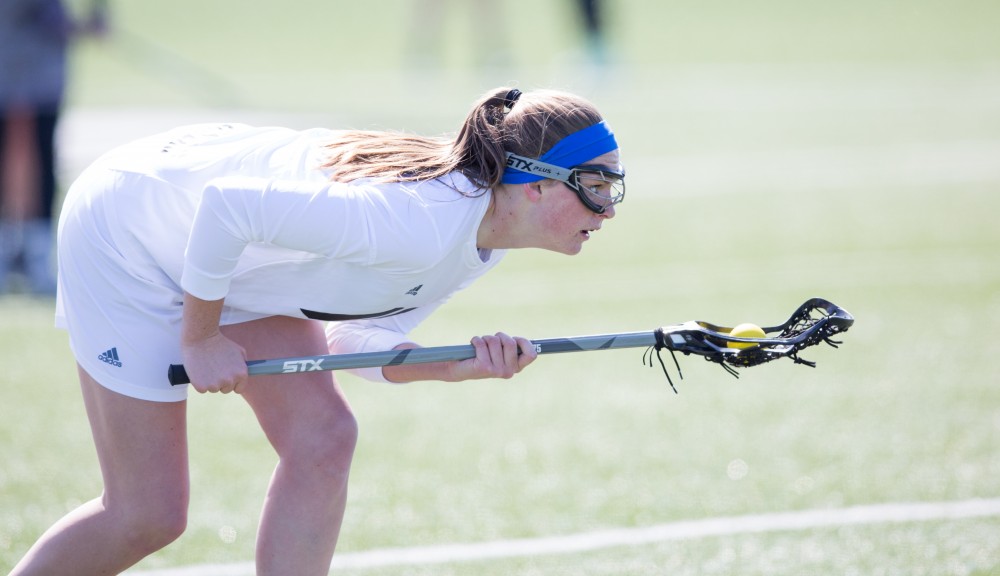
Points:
[[246, 214]]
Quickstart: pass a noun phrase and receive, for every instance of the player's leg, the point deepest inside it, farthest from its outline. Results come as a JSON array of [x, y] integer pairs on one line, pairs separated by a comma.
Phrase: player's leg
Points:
[[142, 450], [310, 424]]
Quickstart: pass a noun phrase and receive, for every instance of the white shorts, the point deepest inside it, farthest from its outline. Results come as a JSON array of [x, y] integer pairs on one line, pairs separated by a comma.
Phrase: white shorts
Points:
[[122, 313]]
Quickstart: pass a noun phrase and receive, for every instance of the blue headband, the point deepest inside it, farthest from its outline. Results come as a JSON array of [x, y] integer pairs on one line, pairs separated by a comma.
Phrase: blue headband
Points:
[[572, 150]]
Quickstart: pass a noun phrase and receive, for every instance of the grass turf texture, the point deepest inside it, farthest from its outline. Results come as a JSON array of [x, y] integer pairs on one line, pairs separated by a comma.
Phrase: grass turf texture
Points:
[[811, 134], [904, 412]]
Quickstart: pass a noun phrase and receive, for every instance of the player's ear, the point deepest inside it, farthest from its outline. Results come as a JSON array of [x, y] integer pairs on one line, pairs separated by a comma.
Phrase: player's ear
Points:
[[532, 191]]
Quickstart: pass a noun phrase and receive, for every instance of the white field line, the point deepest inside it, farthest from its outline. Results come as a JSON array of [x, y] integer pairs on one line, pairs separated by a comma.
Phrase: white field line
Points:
[[590, 541]]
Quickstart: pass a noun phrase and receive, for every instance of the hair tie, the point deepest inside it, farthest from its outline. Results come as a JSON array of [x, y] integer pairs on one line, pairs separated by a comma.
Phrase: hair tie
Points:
[[510, 99]]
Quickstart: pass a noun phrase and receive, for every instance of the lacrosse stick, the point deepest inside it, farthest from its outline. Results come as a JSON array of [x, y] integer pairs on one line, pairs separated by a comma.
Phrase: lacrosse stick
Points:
[[816, 321]]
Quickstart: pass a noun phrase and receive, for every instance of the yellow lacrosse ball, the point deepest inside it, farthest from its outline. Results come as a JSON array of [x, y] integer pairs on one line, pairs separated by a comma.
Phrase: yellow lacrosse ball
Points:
[[746, 330]]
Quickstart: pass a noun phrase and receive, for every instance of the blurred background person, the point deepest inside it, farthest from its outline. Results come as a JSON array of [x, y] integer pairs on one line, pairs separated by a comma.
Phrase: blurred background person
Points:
[[592, 16], [34, 38], [429, 41]]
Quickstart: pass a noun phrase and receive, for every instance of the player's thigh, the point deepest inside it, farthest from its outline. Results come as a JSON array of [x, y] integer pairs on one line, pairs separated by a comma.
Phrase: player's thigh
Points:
[[298, 410], [141, 446]]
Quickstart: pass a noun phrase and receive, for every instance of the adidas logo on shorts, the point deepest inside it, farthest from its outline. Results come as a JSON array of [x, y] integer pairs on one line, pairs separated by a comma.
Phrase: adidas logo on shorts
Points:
[[111, 357]]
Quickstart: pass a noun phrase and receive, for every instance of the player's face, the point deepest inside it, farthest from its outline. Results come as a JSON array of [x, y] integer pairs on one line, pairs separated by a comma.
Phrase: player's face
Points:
[[568, 222]]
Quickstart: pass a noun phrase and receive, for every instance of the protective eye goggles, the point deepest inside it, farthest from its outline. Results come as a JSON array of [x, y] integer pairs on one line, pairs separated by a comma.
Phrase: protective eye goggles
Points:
[[596, 186]]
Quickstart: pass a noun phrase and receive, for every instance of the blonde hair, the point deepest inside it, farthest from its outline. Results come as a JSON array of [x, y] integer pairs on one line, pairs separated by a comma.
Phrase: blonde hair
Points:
[[528, 127]]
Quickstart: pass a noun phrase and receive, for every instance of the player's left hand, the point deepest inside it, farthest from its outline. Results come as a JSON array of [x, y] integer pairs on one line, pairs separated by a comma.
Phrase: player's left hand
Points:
[[497, 356]]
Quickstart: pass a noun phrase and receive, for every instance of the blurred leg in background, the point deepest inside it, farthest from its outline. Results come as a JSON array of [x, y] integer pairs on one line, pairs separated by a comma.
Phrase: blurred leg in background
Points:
[[28, 197]]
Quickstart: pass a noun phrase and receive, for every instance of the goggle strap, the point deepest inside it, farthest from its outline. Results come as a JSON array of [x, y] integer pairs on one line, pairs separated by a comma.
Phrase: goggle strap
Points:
[[538, 168]]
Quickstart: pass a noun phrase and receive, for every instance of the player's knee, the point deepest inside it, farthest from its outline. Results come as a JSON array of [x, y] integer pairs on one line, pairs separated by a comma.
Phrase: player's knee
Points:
[[341, 440], [153, 524], [329, 450], [165, 528], [159, 529]]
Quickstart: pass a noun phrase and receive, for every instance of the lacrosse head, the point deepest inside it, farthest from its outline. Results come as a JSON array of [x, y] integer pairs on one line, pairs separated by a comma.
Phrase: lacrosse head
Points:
[[815, 321]]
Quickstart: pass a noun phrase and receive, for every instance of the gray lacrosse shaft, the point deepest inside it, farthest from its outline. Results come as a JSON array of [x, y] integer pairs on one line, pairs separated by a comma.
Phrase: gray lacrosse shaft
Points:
[[177, 375]]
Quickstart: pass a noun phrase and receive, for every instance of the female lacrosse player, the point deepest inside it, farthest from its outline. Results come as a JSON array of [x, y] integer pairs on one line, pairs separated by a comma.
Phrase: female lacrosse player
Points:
[[213, 244]]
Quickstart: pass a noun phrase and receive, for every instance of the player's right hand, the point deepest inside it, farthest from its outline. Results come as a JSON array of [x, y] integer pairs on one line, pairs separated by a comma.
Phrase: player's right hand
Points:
[[215, 364]]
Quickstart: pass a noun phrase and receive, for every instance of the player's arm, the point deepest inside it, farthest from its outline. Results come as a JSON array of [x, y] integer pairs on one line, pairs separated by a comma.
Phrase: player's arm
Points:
[[213, 362]]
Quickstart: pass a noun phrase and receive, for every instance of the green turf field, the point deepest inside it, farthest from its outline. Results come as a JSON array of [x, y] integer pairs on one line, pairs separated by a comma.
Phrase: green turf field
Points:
[[775, 153]]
